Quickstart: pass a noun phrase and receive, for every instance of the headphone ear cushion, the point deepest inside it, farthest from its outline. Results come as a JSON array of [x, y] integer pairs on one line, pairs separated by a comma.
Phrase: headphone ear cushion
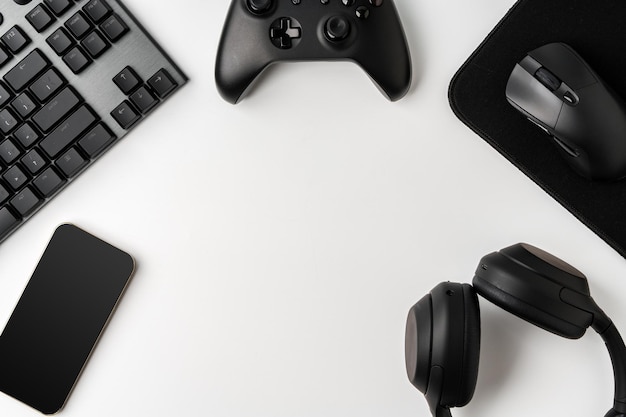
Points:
[[418, 340], [471, 352], [442, 344]]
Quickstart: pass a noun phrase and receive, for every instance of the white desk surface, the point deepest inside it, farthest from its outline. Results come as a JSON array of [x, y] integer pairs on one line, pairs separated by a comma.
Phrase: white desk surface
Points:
[[280, 242]]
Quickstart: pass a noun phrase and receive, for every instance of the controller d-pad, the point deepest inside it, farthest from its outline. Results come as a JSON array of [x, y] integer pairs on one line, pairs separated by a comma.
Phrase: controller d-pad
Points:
[[285, 32]]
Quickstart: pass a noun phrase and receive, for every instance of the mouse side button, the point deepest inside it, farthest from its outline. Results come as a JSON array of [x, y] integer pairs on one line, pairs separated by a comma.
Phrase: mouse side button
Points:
[[574, 153]]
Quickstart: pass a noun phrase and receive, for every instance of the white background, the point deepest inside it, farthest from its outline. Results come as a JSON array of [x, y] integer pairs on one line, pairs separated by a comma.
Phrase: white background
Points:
[[280, 242]]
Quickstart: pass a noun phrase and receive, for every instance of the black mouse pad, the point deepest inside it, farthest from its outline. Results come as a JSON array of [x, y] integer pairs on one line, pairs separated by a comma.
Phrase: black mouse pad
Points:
[[596, 30]]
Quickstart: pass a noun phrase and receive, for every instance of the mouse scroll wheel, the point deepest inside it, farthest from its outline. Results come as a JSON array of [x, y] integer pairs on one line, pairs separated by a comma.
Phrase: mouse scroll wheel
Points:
[[548, 79]]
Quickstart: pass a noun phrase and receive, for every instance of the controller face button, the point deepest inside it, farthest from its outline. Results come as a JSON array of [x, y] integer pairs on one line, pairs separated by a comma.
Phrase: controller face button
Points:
[[337, 28], [376, 3], [362, 12], [348, 3], [259, 6], [285, 33], [324, 2]]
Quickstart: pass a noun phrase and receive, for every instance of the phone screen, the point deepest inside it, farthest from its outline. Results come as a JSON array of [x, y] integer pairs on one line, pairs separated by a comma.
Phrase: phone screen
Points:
[[60, 317]]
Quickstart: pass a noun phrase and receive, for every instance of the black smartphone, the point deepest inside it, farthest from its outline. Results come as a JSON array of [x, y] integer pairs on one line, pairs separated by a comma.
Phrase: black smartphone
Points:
[[60, 317]]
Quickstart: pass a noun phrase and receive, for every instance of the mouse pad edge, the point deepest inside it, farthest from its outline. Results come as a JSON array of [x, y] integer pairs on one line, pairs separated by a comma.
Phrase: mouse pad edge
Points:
[[476, 96]]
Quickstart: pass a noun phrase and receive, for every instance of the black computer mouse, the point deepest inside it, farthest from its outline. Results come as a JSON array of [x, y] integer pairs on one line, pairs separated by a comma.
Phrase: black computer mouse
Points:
[[559, 92]]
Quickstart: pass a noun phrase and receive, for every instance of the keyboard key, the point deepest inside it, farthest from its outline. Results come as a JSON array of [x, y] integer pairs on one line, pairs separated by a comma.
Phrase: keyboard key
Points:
[[68, 131], [125, 115], [15, 177], [78, 25], [4, 194], [8, 222], [5, 95], [58, 7], [143, 99], [26, 70], [26, 135], [40, 18], [96, 140], [33, 162], [97, 10], [114, 28], [95, 44], [48, 84], [77, 60], [162, 83], [24, 105], [26, 202], [8, 121], [60, 41], [127, 80], [71, 163], [48, 182], [15, 39], [49, 131], [4, 56], [56, 109], [8, 151]]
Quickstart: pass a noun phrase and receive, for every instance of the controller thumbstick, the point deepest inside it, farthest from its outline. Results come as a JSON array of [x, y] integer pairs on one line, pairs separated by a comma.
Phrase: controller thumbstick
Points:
[[259, 6], [337, 28]]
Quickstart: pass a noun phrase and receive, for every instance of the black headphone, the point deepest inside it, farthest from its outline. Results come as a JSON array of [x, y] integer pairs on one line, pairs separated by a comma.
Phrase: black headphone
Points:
[[442, 340]]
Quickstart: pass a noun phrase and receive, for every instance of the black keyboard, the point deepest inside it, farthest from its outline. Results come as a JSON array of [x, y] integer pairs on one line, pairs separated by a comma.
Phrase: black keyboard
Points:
[[75, 76]]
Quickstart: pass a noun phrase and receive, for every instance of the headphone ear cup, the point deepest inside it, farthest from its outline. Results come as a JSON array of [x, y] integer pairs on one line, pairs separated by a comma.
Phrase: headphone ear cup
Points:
[[442, 345], [529, 282]]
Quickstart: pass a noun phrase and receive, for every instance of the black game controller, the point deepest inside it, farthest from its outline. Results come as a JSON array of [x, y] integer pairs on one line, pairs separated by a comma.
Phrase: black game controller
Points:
[[258, 33]]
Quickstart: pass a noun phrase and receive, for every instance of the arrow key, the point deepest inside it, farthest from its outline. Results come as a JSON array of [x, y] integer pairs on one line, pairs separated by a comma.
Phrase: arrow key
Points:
[[127, 80], [143, 99], [125, 114], [162, 83]]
